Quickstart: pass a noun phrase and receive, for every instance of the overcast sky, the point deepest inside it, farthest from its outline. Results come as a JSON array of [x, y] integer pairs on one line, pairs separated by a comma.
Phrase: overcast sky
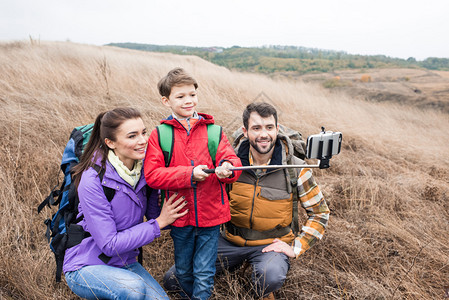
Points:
[[396, 28]]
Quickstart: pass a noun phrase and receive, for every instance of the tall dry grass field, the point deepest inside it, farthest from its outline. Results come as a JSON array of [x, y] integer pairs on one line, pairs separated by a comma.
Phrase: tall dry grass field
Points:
[[388, 190]]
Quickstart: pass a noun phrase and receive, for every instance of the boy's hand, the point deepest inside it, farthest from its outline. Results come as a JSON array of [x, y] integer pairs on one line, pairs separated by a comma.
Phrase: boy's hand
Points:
[[222, 171], [199, 174]]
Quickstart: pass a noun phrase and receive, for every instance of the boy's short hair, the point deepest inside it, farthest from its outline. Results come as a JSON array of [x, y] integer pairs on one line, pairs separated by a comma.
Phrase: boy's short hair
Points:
[[176, 77], [264, 109]]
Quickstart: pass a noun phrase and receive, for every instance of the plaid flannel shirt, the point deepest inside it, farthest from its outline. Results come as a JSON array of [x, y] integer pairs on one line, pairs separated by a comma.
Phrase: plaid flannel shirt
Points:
[[312, 200]]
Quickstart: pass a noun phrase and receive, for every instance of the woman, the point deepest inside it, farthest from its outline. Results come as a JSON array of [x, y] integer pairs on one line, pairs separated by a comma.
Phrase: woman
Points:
[[103, 265]]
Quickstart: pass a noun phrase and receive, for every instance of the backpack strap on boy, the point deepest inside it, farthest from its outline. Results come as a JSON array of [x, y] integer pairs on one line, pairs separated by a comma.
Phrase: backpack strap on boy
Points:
[[166, 136], [166, 140], [214, 133]]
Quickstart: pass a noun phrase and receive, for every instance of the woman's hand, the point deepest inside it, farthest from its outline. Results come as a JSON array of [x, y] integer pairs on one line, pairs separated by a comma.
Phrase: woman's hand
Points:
[[170, 210]]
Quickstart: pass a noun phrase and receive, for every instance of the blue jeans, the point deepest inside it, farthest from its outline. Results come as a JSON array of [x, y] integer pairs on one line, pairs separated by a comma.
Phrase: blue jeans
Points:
[[106, 282], [269, 268], [195, 256]]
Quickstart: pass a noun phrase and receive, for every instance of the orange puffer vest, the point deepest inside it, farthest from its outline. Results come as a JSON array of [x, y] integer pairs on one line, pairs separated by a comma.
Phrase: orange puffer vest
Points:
[[261, 206]]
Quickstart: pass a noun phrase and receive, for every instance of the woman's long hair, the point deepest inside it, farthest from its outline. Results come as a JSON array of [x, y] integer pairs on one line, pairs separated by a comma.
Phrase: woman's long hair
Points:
[[106, 126]]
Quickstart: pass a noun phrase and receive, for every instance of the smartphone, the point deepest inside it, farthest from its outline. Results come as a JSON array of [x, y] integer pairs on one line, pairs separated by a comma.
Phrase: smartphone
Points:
[[324, 145]]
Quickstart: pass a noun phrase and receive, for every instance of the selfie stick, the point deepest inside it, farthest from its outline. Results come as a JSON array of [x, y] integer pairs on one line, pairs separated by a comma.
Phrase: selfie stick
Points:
[[324, 164], [323, 153]]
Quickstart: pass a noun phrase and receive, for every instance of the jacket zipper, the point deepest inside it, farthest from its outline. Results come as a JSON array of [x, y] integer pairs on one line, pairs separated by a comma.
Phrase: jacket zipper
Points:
[[187, 131], [195, 200], [222, 197]]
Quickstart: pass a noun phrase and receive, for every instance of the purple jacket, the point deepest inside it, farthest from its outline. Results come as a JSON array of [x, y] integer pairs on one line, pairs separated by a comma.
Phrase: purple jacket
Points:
[[117, 228]]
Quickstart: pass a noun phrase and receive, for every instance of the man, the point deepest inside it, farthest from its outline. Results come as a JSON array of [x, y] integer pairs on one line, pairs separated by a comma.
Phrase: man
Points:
[[262, 202]]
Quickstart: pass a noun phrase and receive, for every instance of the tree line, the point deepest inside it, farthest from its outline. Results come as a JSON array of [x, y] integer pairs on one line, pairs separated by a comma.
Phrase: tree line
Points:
[[295, 59]]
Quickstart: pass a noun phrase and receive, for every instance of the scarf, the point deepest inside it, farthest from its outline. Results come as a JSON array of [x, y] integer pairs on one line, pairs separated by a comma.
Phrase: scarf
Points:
[[132, 177]]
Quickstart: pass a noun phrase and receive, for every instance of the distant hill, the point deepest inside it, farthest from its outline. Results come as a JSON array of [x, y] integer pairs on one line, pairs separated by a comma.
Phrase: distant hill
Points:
[[421, 88], [421, 84], [298, 60]]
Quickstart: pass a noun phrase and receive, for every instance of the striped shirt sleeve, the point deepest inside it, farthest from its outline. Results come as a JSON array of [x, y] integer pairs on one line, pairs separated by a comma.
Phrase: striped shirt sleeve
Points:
[[312, 200]]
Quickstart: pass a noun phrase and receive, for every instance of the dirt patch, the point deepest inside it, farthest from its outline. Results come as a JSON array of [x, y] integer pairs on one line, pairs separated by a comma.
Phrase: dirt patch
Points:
[[424, 89]]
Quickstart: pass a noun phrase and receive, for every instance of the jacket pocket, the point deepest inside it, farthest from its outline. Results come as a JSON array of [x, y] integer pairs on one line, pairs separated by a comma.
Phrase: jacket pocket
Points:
[[274, 194]]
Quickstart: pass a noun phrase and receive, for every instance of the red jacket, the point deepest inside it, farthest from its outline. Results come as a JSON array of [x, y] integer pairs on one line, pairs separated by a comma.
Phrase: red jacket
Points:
[[207, 200]]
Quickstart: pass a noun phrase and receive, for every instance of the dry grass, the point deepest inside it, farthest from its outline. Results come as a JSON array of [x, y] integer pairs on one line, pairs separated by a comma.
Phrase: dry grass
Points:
[[388, 189]]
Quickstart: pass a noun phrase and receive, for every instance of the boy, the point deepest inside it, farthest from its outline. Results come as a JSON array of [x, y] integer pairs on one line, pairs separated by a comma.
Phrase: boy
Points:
[[195, 235]]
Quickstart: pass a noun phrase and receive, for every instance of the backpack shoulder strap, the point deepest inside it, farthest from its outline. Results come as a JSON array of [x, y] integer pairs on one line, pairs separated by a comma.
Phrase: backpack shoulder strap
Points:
[[214, 133], [293, 176], [166, 140], [109, 192], [140, 256], [106, 258]]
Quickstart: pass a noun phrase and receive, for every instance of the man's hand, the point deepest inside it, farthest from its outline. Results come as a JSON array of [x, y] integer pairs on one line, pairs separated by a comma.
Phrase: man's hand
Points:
[[281, 247], [199, 174], [222, 171]]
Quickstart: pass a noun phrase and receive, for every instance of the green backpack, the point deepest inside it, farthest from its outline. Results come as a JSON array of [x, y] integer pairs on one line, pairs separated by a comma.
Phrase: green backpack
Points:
[[166, 140]]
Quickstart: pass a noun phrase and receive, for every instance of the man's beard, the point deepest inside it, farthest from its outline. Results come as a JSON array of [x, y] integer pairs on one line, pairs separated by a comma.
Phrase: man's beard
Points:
[[257, 148]]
